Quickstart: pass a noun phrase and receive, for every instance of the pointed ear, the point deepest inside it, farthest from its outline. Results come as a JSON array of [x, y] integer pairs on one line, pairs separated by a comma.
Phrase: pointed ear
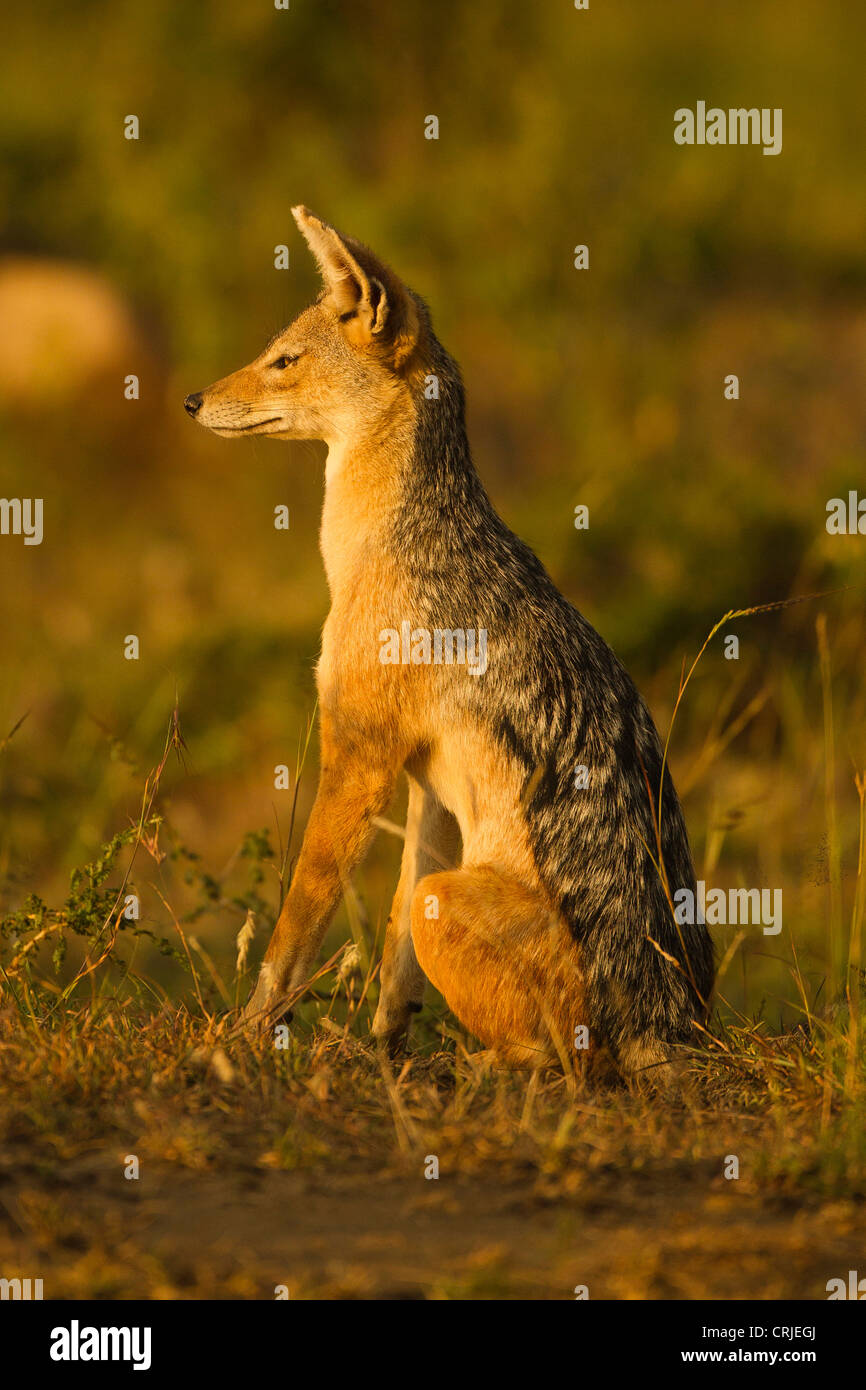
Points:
[[373, 304]]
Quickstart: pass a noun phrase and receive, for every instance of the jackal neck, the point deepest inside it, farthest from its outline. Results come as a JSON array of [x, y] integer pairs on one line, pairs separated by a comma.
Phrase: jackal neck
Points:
[[363, 485], [411, 489], [444, 507]]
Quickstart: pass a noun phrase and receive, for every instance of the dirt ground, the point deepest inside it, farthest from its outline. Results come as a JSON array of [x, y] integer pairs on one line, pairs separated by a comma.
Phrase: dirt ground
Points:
[[312, 1181], [661, 1235]]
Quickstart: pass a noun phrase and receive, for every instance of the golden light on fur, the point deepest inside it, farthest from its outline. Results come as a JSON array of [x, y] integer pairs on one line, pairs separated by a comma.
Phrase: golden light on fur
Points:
[[540, 926]]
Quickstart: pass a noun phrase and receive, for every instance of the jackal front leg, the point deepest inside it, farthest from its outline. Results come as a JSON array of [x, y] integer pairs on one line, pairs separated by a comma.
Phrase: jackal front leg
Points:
[[350, 794], [432, 842]]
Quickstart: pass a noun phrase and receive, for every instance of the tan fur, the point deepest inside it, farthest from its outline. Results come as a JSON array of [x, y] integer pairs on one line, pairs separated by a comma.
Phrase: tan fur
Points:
[[498, 950], [503, 960]]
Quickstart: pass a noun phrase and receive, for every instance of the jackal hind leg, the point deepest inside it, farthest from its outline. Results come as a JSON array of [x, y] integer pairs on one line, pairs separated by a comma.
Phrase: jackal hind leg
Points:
[[505, 962], [432, 842]]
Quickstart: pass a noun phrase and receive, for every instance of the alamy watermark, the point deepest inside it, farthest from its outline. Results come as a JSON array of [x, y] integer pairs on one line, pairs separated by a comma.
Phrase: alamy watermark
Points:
[[846, 516], [20, 1289], [855, 1287], [736, 907], [77, 1343], [22, 516], [423, 646], [738, 125]]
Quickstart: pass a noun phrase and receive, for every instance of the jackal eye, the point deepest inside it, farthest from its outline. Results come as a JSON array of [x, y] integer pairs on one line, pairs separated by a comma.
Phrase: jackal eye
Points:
[[279, 364]]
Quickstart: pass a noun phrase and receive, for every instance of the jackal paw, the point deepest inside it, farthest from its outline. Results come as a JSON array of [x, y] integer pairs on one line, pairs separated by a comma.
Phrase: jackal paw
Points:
[[266, 1007], [391, 1030]]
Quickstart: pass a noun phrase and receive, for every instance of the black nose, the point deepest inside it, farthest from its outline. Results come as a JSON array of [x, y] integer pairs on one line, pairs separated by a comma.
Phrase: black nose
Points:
[[192, 404]]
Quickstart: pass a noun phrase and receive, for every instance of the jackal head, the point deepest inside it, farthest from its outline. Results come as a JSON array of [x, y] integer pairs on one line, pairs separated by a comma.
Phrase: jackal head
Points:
[[340, 368]]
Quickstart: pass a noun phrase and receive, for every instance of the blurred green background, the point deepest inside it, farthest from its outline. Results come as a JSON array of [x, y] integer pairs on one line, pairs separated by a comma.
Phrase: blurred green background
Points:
[[156, 257]]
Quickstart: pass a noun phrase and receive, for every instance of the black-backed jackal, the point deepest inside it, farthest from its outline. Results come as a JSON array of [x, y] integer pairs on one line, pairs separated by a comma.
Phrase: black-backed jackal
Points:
[[540, 907]]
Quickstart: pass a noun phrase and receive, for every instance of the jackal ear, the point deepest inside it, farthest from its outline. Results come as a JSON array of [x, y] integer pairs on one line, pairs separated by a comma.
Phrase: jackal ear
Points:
[[370, 300]]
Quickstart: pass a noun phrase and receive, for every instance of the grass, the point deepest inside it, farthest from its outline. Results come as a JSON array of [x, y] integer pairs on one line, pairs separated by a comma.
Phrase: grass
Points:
[[251, 1157], [105, 1058]]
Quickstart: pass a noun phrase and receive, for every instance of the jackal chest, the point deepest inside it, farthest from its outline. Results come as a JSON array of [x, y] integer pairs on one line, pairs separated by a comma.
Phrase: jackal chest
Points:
[[349, 673]]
